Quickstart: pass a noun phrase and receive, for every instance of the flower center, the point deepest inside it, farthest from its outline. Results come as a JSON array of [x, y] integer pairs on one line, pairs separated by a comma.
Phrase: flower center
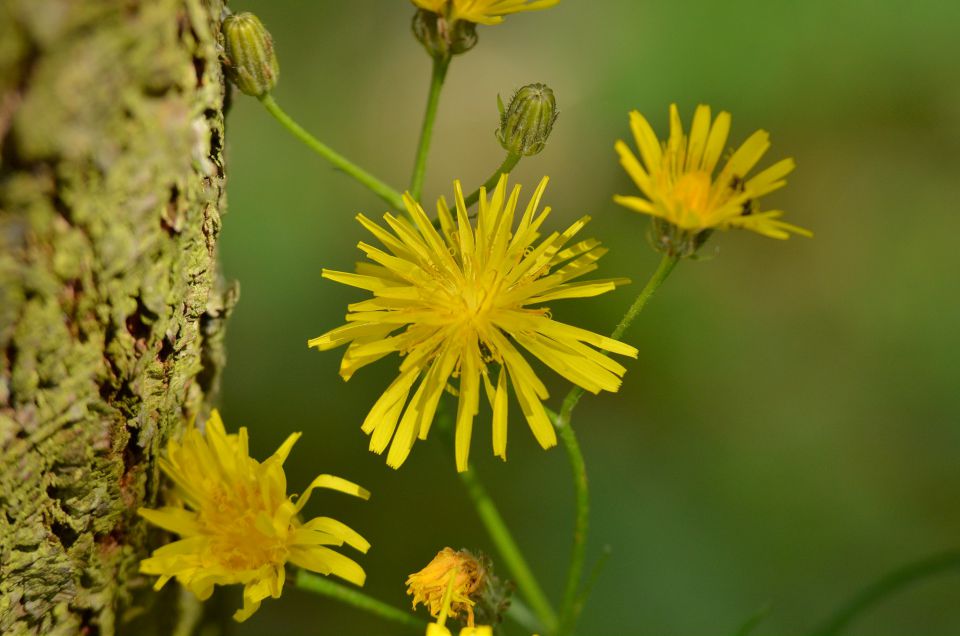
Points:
[[237, 543], [472, 305], [692, 191]]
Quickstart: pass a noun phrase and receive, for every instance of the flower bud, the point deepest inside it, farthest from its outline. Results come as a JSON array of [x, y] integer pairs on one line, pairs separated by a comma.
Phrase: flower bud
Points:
[[251, 61], [440, 37], [527, 121]]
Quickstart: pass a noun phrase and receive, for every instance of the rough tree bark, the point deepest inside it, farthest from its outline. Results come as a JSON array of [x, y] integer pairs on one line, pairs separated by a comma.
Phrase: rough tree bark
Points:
[[111, 306]]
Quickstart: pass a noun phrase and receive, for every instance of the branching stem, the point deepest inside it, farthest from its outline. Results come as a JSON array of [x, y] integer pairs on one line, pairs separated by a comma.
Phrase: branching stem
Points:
[[509, 162], [571, 604], [381, 189]]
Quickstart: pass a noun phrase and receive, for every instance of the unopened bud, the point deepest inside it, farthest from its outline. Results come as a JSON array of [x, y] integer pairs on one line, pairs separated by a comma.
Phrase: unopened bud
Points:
[[440, 37], [527, 121], [251, 61]]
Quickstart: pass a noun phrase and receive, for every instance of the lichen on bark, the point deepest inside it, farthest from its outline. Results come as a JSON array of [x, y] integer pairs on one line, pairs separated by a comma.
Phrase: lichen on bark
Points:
[[111, 303]]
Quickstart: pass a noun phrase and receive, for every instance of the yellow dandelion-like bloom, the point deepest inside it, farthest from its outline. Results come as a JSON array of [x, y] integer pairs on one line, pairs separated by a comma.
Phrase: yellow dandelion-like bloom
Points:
[[236, 523], [456, 301], [482, 11], [678, 183], [448, 584]]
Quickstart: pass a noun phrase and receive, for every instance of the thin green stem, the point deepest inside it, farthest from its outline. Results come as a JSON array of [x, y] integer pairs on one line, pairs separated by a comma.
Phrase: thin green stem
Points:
[[325, 587], [569, 609], [382, 190], [440, 65], [667, 263], [524, 616], [891, 583], [592, 577], [582, 519], [512, 556], [189, 613], [509, 162]]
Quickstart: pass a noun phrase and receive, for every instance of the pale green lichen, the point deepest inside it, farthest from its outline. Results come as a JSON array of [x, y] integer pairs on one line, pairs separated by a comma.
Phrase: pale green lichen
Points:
[[111, 305]]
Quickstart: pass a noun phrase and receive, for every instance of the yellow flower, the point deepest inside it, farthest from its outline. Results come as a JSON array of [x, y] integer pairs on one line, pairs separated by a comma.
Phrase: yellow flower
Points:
[[236, 523], [679, 186], [459, 571], [453, 303], [447, 587], [482, 11]]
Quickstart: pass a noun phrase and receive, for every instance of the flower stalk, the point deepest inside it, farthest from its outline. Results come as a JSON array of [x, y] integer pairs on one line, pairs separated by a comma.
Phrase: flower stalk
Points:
[[351, 596], [569, 609], [508, 164], [393, 198], [441, 62], [512, 556]]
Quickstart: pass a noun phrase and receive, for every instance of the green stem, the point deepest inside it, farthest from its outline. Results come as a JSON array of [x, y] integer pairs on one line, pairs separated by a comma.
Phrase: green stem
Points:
[[382, 190], [592, 577], [512, 556], [569, 609], [524, 616], [667, 263], [888, 585], [509, 162], [325, 587], [440, 65], [582, 519]]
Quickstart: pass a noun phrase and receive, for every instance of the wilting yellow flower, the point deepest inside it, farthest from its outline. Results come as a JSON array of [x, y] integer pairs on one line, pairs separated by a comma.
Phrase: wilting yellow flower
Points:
[[482, 11], [449, 584], [678, 183], [453, 303], [236, 523]]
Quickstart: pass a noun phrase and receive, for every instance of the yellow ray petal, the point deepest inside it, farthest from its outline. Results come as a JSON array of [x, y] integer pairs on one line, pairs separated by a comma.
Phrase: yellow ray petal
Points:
[[698, 137], [468, 405], [646, 140], [331, 482], [716, 142], [500, 416]]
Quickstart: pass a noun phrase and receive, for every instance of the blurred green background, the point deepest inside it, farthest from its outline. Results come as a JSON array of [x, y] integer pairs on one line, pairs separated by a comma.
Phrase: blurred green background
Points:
[[791, 429]]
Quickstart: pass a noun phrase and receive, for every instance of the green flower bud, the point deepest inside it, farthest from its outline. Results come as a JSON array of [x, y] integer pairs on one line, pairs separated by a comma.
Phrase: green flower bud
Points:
[[440, 37], [526, 123], [251, 61]]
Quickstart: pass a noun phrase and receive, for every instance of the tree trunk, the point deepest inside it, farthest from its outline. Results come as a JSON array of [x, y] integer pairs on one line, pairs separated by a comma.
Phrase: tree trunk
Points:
[[111, 305]]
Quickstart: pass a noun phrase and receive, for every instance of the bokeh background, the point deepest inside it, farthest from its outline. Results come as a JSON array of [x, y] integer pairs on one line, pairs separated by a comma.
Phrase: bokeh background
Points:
[[791, 429]]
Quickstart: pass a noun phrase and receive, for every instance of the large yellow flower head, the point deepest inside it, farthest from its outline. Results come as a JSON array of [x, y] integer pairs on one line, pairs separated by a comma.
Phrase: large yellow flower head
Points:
[[236, 523], [678, 183], [482, 11], [458, 301]]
